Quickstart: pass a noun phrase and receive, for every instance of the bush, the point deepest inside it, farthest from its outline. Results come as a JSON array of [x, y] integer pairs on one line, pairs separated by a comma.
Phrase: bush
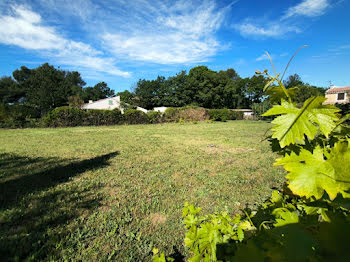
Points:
[[133, 116], [155, 117], [236, 115], [188, 113], [220, 114], [18, 116], [64, 116], [70, 116], [345, 108], [96, 117]]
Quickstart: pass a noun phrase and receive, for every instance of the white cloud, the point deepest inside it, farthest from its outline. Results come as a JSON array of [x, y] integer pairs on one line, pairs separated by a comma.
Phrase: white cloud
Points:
[[24, 28], [272, 30], [183, 32], [309, 8], [283, 25], [262, 57]]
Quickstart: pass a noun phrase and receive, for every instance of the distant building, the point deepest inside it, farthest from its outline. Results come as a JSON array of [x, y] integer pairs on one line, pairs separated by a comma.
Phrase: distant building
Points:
[[108, 104], [338, 95], [247, 113], [160, 109]]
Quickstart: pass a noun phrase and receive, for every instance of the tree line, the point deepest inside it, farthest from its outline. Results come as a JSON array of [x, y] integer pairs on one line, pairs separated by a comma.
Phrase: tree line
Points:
[[46, 87], [210, 89]]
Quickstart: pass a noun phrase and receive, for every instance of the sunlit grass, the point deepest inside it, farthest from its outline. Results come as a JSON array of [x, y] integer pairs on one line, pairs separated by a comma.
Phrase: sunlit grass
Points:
[[114, 193]]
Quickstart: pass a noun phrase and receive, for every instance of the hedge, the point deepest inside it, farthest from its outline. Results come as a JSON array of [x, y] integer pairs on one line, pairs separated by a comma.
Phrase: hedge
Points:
[[18, 116], [70, 116], [224, 114], [188, 113], [133, 116]]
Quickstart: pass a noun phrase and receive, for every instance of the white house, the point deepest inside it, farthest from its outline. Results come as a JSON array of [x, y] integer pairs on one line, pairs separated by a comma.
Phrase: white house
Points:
[[108, 104], [160, 109], [247, 113]]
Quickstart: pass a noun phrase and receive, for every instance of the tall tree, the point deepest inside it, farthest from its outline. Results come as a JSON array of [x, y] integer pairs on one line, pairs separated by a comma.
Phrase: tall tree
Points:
[[99, 91], [47, 88], [126, 97], [293, 81], [10, 91]]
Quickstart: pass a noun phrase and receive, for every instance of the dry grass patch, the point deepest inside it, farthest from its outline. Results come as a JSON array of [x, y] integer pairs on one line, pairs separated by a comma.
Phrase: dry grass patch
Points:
[[157, 219]]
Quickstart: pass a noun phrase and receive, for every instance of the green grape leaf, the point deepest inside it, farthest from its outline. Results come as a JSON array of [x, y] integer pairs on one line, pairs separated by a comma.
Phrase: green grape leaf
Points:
[[284, 217], [293, 123], [339, 158], [310, 174], [276, 93]]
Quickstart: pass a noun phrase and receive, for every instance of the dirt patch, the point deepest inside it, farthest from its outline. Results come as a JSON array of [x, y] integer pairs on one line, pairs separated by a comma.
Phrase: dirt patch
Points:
[[157, 219]]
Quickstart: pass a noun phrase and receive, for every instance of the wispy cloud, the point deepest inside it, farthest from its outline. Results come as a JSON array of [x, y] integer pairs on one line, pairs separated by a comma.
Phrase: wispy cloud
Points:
[[285, 23], [310, 8], [24, 28], [262, 57], [273, 30], [158, 31], [183, 32]]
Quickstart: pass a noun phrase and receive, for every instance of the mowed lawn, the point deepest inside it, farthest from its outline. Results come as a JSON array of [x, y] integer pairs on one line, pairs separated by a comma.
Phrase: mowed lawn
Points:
[[115, 192]]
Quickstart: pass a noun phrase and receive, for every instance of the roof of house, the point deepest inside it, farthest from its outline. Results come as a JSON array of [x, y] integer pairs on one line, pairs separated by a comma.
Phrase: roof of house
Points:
[[339, 89]]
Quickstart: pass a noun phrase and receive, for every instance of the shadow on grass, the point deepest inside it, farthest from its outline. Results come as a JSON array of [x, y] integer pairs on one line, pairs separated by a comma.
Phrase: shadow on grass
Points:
[[36, 216], [13, 190]]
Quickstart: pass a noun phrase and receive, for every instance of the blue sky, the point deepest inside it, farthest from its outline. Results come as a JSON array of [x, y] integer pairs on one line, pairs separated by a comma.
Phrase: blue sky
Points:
[[121, 41]]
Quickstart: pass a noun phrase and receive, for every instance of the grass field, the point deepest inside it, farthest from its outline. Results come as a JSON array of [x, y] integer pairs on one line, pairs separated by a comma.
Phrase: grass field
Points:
[[114, 193]]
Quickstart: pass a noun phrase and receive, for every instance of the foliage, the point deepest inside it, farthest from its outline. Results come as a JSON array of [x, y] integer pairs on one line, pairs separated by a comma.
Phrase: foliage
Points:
[[126, 97], [46, 88], [187, 113], [309, 219], [75, 101], [98, 91], [133, 116], [64, 116], [260, 108], [95, 117], [71, 116], [301, 91], [155, 117], [220, 114], [345, 108], [18, 116], [295, 125], [202, 87]]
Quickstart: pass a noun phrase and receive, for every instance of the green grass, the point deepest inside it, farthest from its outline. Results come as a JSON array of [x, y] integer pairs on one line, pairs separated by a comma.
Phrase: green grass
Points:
[[114, 193]]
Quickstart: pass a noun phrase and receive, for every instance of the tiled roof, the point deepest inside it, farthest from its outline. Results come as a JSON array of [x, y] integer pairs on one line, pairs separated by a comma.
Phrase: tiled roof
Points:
[[336, 90]]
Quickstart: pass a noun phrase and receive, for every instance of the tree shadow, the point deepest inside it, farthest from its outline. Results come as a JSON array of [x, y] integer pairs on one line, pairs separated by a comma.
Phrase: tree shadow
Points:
[[13, 190], [36, 214]]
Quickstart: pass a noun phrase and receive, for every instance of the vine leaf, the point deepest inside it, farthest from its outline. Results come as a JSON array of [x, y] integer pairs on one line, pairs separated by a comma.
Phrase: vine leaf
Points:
[[284, 217], [293, 123], [310, 174]]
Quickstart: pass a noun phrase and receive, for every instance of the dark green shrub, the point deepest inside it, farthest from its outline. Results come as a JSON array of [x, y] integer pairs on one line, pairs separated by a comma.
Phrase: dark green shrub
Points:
[[345, 108], [102, 117], [133, 116], [236, 115], [155, 117], [18, 116], [170, 114], [220, 114], [70, 116], [65, 116]]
